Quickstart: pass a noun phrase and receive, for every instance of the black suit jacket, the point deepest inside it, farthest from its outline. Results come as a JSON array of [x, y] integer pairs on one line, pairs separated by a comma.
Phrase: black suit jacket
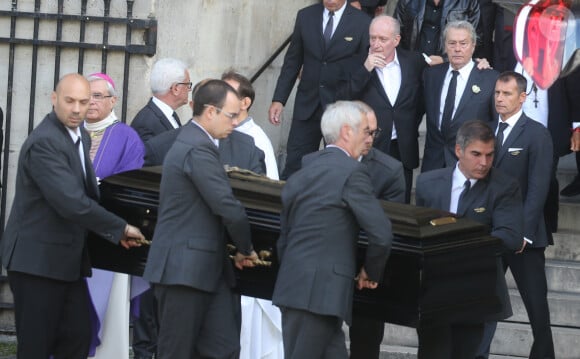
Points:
[[494, 201], [196, 209], [405, 113], [526, 155], [322, 69], [323, 205], [238, 150], [55, 205], [477, 103], [386, 175], [563, 109], [150, 121]]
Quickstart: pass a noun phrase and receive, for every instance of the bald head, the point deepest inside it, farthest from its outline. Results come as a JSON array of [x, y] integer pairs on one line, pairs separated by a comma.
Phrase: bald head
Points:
[[71, 100]]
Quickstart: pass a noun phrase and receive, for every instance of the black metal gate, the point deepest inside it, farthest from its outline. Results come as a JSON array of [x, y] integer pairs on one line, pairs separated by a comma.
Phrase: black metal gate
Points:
[[69, 35]]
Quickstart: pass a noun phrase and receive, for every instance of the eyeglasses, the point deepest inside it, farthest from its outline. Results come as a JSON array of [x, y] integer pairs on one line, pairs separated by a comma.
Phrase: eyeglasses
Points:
[[99, 96], [229, 115], [188, 84], [374, 133]]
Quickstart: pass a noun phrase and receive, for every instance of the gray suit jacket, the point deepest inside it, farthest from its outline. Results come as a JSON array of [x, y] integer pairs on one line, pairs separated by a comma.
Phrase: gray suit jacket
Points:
[[54, 207], [150, 121], [386, 175], [196, 210], [494, 201], [476, 104], [238, 149], [526, 155], [323, 205]]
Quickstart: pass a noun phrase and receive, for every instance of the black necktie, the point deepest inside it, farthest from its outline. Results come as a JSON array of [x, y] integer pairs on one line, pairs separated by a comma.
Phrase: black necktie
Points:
[[176, 118], [499, 138], [328, 29], [449, 103], [466, 187]]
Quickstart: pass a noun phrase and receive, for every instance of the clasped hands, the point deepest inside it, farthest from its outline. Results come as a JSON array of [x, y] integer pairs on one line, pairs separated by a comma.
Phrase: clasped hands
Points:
[[242, 260]]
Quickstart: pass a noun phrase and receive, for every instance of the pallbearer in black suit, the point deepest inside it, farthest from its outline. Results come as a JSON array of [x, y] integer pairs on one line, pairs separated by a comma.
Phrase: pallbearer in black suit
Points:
[[524, 152], [44, 245], [188, 262], [474, 190], [455, 93], [324, 204], [326, 37]]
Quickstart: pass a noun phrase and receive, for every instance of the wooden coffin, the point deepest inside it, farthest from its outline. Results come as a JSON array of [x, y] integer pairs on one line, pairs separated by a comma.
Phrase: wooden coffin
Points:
[[440, 268]]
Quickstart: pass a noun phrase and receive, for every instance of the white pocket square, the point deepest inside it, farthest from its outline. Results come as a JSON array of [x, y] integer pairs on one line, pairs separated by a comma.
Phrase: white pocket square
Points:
[[514, 149]]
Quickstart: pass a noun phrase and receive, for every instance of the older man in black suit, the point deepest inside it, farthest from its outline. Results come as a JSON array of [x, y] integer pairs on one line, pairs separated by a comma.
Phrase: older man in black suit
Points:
[[455, 93], [44, 247], [326, 36], [474, 190], [524, 152], [323, 206], [188, 262], [170, 85]]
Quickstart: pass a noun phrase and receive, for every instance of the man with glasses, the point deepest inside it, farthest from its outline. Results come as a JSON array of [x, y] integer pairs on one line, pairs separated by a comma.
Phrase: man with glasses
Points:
[[170, 85], [188, 263], [454, 93]]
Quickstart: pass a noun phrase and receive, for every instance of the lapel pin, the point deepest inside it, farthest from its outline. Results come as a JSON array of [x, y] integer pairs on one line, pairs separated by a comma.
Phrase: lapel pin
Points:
[[479, 209], [348, 38]]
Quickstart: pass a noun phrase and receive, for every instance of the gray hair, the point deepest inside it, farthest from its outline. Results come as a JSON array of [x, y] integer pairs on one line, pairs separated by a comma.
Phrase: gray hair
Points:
[[474, 130], [337, 115], [165, 73], [110, 87], [395, 24], [461, 25]]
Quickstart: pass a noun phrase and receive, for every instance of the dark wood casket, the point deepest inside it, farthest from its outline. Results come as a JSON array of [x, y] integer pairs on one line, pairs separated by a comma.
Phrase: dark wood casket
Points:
[[440, 268]]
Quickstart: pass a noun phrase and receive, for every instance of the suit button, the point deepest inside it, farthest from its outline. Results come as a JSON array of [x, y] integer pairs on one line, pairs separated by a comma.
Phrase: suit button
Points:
[[324, 63], [321, 86]]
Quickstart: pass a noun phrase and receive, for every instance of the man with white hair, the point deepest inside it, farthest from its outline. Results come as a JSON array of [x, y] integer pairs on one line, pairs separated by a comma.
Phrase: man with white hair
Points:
[[324, 204], [170, 85]]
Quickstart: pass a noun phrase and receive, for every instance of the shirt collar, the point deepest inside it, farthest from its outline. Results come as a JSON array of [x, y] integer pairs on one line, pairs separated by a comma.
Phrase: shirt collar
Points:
[[165, 108], [74, 134], [511, 121], [465, 70], [459, 178], [215, 141], [337, 13]]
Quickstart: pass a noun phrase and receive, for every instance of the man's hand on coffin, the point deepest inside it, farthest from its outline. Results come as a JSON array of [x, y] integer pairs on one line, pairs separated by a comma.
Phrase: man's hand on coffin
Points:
[[132, 237], [363, 281], [241, 260]]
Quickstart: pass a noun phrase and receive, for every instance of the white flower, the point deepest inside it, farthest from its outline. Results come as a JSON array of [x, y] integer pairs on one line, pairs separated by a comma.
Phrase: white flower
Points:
[[475, 89]]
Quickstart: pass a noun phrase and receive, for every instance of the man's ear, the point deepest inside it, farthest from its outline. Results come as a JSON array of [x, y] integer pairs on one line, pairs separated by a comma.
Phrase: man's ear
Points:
[[245, 103], [457, 150]]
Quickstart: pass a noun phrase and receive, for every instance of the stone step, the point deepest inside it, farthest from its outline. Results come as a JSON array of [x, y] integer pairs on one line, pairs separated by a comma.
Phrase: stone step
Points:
[[566, 246], [515, 339], [569, 214], [398, 352], [564, 309], [562, 276], [512, 340]]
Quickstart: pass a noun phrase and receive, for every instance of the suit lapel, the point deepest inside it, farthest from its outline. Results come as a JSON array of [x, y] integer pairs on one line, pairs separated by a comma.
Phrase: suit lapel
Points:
[[157, 111], [379, 86], [470, 197], [90, 178], [514, 134], [468, 93]]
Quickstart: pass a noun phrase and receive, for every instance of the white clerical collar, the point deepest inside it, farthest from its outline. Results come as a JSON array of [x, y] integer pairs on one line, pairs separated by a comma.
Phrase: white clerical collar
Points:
[[102, 124]]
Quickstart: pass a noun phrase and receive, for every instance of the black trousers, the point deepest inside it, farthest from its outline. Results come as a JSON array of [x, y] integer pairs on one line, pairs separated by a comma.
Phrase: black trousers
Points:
[[194, 324], [146, 326], [52, 317], [449, 341], [408, 172], [304, 138], [366, 336], [312, 336]]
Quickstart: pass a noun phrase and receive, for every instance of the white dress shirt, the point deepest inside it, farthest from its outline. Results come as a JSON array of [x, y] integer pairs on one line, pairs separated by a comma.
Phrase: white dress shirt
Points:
[[390, 77], [76, 135], [250, 128], [167, 111], [511, 121], [462, 78], [337, 16]]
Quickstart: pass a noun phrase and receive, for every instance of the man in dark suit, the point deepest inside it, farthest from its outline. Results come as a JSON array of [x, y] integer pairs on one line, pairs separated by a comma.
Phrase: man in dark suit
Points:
[[524, 152], [170, 85], [389, 81], [323, 205], [454, 93], [238, 149], [474, 190], [386, 174], [368, 6], [326, 36], [44, 245], [188, 262]]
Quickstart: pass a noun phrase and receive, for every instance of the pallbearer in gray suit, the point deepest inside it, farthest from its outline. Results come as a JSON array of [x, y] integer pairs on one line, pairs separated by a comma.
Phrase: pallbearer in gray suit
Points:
[[324, 204], [188, 263]]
